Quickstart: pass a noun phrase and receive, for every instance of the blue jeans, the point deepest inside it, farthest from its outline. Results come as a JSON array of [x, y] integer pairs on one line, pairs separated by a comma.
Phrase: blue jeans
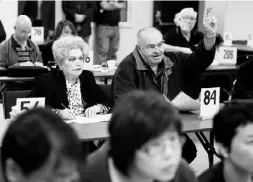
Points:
[[107, 42]]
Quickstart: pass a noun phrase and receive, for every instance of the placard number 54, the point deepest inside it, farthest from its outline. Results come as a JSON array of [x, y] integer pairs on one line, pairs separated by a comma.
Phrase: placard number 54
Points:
[[208, 96]]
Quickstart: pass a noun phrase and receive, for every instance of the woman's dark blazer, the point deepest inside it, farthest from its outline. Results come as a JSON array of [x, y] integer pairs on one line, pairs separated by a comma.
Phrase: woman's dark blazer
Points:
[[52, 86]]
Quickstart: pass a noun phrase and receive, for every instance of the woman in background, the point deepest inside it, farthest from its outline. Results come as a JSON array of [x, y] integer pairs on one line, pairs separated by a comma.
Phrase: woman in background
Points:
[[2, 32], [63, 28], [70, 90]]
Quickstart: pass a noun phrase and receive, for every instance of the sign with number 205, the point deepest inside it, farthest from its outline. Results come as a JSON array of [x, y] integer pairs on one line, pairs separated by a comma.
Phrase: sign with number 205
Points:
[[209, 102]]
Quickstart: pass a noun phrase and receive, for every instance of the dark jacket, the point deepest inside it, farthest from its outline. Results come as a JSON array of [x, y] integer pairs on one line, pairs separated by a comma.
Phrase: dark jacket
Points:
[[244, 86], [215, 174], [9, 55], [86, 8], [132, 74], [52, 86], [47, 13], [97, 169], [2, 32], [174, 37], [47, 53]]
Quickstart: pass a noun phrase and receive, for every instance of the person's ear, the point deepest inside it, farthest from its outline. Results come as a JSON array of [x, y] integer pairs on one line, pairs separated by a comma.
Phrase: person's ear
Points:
[[223, 150], [12, 171], [182, 140]]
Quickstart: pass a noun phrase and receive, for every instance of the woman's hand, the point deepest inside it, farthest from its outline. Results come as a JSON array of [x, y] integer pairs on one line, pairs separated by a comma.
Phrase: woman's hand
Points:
[[67, 114], [91, 112]]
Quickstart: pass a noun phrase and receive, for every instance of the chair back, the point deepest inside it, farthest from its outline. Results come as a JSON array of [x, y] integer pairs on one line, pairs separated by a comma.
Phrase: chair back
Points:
[[9, 100], [106, 88]]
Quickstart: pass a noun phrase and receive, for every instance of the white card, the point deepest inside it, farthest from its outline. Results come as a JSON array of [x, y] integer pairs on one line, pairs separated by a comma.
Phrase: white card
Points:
[[250, 40], [227, 38], [29, 103], [209, 102], [88, 62], [37, 34], [227, 55]]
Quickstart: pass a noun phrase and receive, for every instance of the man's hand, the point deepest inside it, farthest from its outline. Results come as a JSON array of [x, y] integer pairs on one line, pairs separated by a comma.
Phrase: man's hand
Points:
[[79, 18], [210, 29], [185, 50], [210, 24]]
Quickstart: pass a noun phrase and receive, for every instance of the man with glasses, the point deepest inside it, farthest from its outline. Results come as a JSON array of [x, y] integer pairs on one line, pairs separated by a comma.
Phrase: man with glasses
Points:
[[144, 145], [183, 38], [147, 68]]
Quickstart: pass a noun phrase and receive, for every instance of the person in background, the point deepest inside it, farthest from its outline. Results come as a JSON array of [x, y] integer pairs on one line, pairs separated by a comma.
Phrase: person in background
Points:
[[71, 91], [144, 144], [80, 13], [235, 145], [39, 146], [19, 50], [147, 68], [243, 87], [183, 38], [41, 13], [107, 18], [63, 28], [2, 32]]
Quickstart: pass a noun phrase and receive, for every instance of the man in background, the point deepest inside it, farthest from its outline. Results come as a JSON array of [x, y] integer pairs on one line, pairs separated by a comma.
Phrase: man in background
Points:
[[80, 13], [107, 20], [19, 50], [41, 13]]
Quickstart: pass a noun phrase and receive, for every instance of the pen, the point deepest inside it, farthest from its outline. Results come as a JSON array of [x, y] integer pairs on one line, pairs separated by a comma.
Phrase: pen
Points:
[[63, 106]]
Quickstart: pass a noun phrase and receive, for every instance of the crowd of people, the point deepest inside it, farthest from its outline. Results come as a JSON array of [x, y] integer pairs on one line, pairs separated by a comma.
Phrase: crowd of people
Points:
[[146, 142]]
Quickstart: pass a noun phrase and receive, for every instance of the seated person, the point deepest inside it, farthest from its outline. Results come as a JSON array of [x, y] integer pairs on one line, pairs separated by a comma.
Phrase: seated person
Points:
[[235, 145], [183, 38], [243, 88], [144, 144], [70, 90], [19, 50], [147, 68], [39, 146], [63, 28]]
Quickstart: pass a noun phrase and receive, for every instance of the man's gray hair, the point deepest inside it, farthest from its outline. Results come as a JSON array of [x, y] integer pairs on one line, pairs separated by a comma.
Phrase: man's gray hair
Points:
[[144, 31], [63, 45]]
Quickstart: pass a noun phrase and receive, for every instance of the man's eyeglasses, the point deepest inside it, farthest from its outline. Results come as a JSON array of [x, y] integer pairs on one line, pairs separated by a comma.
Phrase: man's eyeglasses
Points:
[[151, 47], [189, 18]]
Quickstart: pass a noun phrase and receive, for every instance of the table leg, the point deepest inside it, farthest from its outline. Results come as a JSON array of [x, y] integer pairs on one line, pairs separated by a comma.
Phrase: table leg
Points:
[[208, 146]]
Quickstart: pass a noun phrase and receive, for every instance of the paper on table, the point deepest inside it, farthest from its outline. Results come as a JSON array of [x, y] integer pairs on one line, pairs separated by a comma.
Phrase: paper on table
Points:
[[184, 102], [84, 120]]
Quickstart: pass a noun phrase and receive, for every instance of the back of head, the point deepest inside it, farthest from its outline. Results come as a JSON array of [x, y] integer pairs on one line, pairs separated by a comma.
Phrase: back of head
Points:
[[228, 119], [137, 118], [36, 135]]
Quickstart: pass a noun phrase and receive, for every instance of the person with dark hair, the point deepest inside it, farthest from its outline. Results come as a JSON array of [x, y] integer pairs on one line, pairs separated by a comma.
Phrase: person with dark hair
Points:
[[144, 144], [64, 27], [149, 68], [233, 131], [39, 146]]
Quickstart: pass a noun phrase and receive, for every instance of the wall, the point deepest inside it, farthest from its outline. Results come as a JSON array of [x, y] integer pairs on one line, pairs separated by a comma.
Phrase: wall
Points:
[[8, 14]]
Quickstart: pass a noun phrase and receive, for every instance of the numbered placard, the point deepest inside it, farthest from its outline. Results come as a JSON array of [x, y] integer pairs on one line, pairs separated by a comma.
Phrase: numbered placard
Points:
[[37, 34], [250, 40], [227, 38], [227, 55], [88, 63], [29, 103], [209, 102]]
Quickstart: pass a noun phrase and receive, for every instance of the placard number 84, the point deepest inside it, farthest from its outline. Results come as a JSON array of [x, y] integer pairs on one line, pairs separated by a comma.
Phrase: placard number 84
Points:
[[228, 54], [208, 96]]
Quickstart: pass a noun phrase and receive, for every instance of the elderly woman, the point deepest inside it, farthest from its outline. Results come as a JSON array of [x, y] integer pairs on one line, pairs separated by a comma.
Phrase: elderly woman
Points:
[[63, 28], [70, 90]]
